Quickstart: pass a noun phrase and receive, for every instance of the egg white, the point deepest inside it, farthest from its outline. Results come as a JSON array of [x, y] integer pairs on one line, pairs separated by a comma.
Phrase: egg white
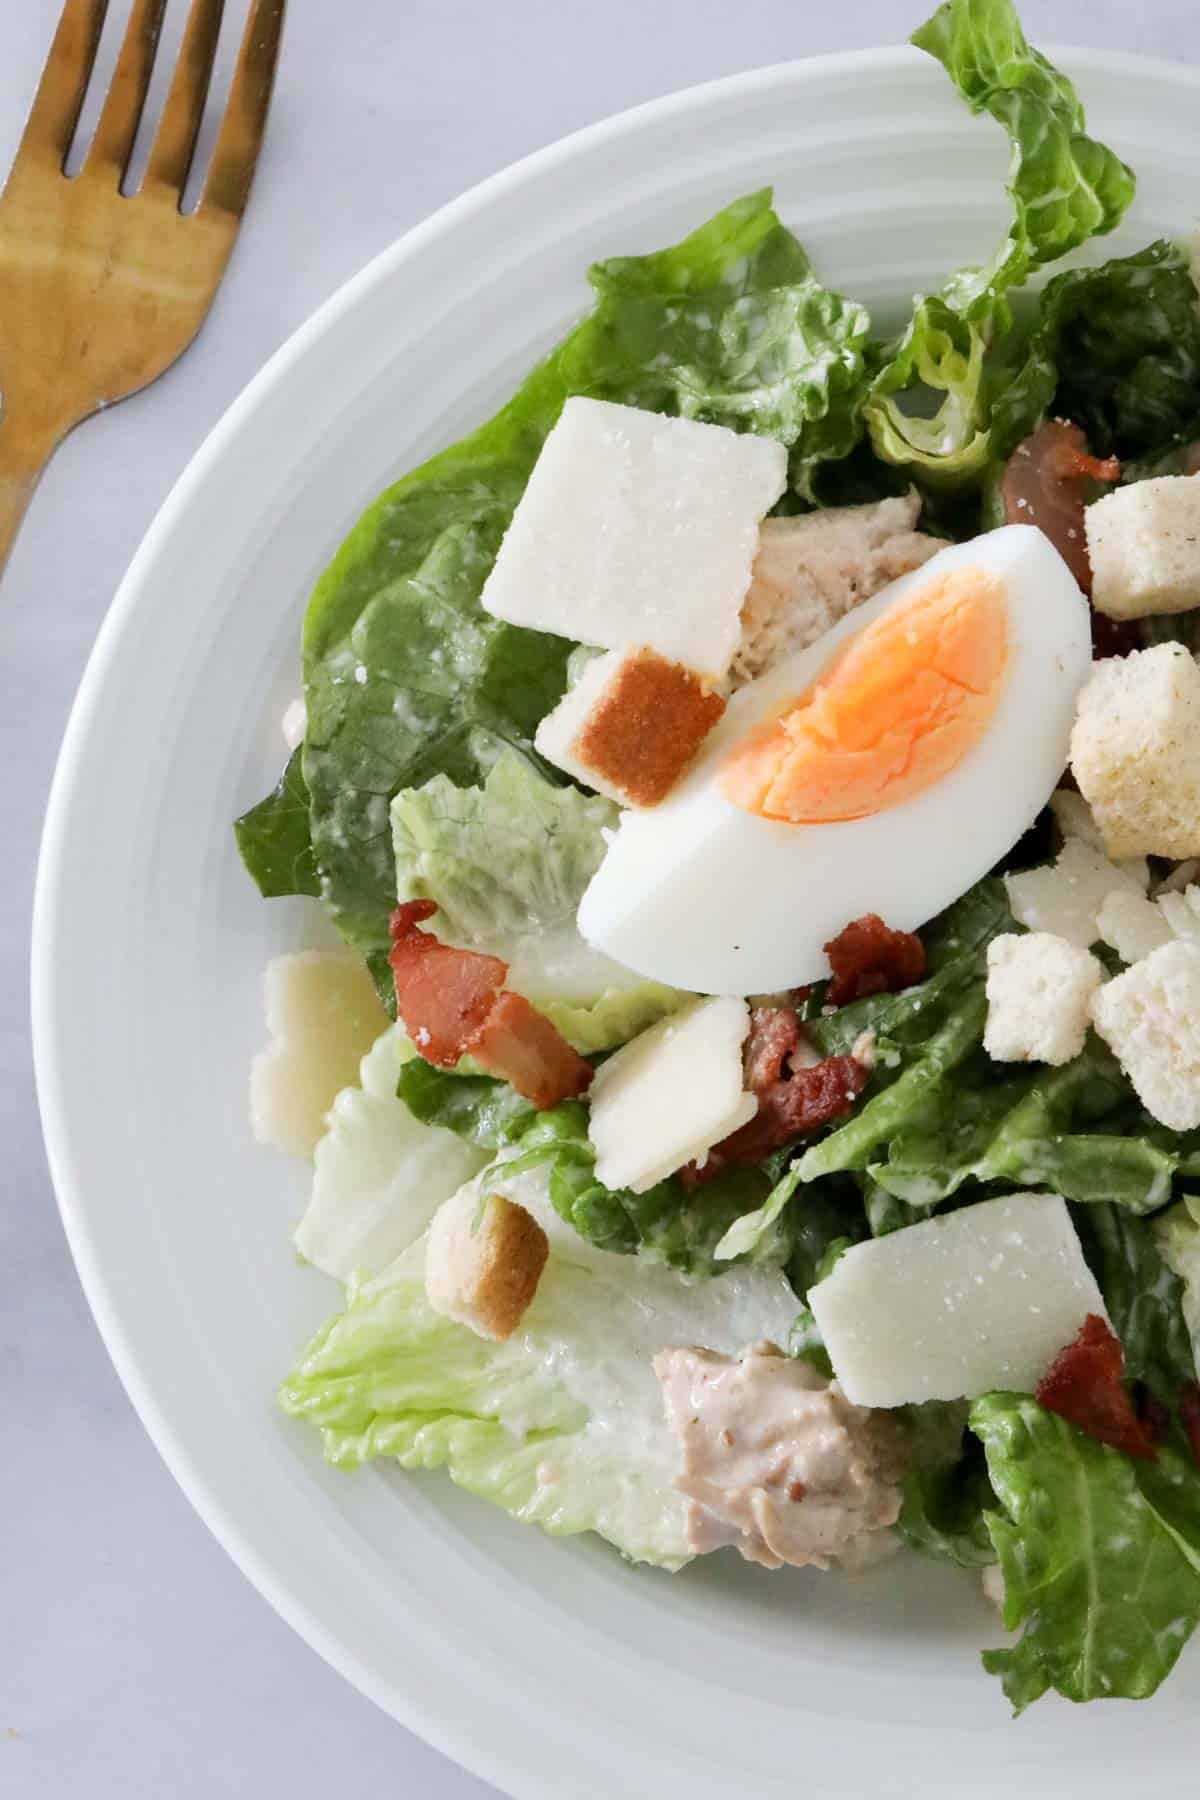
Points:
[[702, 894]]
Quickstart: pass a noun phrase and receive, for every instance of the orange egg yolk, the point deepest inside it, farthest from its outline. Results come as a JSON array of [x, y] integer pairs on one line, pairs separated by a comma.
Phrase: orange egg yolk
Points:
[[895, 709]]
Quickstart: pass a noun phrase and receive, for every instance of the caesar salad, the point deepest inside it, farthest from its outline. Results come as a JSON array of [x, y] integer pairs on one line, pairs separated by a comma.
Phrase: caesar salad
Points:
[[755, 778]]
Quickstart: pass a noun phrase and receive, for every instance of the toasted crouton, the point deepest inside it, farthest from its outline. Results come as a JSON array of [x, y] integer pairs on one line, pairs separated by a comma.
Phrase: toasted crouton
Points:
[[1150, 1018], [631, 725], [1039, 989], [1144, 547], [811, 570], [483, 1260], [1135, 751]]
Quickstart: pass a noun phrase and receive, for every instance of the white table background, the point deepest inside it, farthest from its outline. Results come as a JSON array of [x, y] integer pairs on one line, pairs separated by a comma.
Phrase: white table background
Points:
[[134, 1659]]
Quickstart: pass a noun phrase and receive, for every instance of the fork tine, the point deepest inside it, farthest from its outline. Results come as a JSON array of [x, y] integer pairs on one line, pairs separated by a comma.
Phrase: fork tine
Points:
[[112, 145], [179, 126], [59, 98], [239, 139]]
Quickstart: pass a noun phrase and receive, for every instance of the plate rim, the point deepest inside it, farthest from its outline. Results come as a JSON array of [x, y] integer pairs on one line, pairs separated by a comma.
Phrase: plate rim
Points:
[[504, 1769]]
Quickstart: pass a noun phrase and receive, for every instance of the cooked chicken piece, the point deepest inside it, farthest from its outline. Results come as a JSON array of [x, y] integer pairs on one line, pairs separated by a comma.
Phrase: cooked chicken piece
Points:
[[810, 571], [778, 1463]]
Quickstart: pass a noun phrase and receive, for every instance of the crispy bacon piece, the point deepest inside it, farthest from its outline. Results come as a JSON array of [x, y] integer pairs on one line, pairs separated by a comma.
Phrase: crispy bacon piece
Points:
[[1044, 484], [1189, 1417], [443, 995], [520, 1044], [796, 1091], [1083, 1385], [454, 1004], [868, 957]]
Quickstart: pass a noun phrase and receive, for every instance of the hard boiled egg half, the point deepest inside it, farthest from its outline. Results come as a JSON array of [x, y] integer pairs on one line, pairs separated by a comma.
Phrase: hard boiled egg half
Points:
[[884, 769]]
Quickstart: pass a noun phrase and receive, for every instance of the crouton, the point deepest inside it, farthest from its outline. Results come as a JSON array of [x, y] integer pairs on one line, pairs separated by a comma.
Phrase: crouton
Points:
[[1039, 990], [1064, 897], [811, 570], [1135, 751], [1144, 547], [638, 528], [1150, 1018], [631, 725], [483, 1260]]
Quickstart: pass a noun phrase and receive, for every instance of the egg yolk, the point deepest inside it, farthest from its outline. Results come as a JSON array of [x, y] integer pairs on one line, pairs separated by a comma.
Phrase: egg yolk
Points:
[[895, 709]]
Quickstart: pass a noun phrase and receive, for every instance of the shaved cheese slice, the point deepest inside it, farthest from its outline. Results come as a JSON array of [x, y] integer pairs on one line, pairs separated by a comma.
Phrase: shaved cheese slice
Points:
[[1182, 914], [635, 528], [1133, 925], [1065, 897], [982, 1298], [323, 1014], [669, 1095]]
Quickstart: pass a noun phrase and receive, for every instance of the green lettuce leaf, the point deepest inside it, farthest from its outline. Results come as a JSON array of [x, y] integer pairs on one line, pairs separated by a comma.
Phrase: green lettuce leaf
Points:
[[947, 1495], [963, 383], [562, 1425], [1063, 186], [921, 1035], [925, 1079], [1125, 342], [804, 1339], [941, 353], [1144, 1293], [1100, 1556], [379, 1172], [666, 1224], [507, 864], [405, 676], [1076, 1129], [1177, 1240], [481, 1109], [273, 838]]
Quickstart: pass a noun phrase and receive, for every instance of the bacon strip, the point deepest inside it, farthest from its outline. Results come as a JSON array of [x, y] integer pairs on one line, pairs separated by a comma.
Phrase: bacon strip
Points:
[[796, 1092], [521, 1045], [453, 1003], [1084, 1385], [868, 957], [1044, 484]]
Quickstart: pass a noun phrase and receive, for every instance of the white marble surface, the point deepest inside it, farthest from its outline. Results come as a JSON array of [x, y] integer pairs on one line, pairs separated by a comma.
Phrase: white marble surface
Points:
[[134, 1658]]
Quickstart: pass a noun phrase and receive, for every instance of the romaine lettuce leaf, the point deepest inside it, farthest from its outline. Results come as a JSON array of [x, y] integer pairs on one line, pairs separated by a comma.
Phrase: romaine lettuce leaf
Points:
[[1063, 186], [563, 1424], [273, 838], [507, 864], [481, 1109], [921, 1035], [947, 1494], [1177, 1240], [963, 384], [1077, 1130], [1100, 1556], [1144, 1294], [666, 1224], [405, 676], [379, 1173], [1124, 340]]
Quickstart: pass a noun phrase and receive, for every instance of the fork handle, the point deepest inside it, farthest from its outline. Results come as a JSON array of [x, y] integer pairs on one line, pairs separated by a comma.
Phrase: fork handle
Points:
[[25, 449]]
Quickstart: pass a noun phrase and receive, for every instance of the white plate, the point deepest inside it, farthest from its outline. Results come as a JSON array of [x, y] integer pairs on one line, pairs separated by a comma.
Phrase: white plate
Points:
[[549, 1667]]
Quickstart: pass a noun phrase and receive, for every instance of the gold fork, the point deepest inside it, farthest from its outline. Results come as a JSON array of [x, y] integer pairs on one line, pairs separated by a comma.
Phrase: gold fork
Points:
[[99, 292]]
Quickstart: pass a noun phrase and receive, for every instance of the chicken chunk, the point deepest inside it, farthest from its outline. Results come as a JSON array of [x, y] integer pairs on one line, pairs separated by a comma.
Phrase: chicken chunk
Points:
[[777, 1462], [810, 571]]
